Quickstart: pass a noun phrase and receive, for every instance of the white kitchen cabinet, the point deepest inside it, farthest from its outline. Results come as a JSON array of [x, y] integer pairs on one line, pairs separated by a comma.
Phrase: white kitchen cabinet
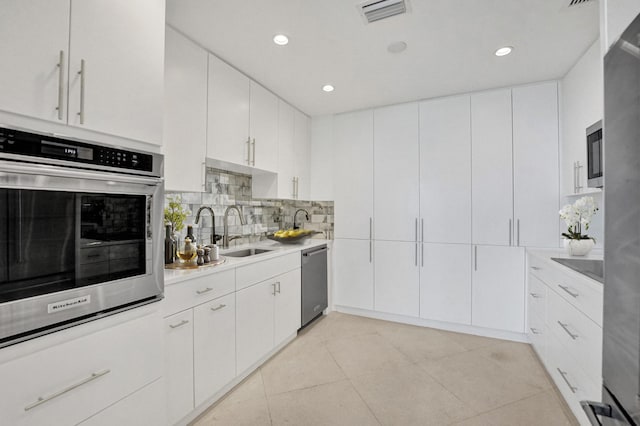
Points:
[[185, 114], [266, 313], [121, 44], [286, 155], [321, 158], [498, 288], [535, 165], [84, 370], [353, 273], [214, 346], [263, 127], [144, 407], [302, 148], [254, 323], [288, 310], [492, 170], [445, 170], [228, 114], [353, 175], [445, 282], [178, 330], [31, 71], [397, 277], [396, 177]]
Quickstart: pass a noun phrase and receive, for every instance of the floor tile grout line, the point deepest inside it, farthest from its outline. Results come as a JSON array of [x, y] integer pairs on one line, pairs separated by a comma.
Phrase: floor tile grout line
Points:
[[266, 398]]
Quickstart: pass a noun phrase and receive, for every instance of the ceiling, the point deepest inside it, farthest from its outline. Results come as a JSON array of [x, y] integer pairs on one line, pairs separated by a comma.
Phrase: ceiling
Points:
[[450, 46]]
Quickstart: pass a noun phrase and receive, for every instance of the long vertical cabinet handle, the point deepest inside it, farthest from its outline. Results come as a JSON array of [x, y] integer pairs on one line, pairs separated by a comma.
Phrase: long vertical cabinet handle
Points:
[[83, 75], [416, 256], [204, 176], [370, 240], [293, 188], [575, 185], [578, 183], [475, 258], [518, 232], [510, 228], [248, 151], [253, 152], [422, 240], [297, 181], [60, 84]]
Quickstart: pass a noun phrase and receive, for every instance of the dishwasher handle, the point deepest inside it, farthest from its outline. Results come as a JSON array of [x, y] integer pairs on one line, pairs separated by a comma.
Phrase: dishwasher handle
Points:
[[313, 253]]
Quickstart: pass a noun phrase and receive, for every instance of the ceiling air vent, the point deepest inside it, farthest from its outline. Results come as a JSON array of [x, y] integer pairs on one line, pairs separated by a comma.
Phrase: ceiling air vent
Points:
[[375, 10], [577, 2]]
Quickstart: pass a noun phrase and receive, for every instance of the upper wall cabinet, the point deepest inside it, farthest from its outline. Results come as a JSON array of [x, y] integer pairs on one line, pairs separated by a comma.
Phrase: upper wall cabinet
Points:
[[492, 195], [353, 175], [185, 113], [396, 178], [535, 165], [445, 170], [286, 157], [228, 123], [91, 64], [302, 148], [243, 119], [263, 128]]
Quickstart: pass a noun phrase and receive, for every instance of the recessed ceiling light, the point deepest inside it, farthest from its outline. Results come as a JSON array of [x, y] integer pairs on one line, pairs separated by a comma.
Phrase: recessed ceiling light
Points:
[[328, 88], [397, 47], [504, 51], [280, 39]]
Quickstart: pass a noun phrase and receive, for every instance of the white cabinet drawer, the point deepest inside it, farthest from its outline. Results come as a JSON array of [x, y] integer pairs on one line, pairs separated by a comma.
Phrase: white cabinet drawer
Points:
[[537, 298], [187, 294], [260, 271], [537, 332], [145, 407], [67, 383], [178, 354], [578, 334], [574, 384], [583, 293]]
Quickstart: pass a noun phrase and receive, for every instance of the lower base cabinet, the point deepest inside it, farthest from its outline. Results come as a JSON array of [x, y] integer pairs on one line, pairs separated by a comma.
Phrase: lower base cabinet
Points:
[[89, 373], [266, 314], [353, 273], [214, 346], [178, 330], [498, 288], [445, 283], [397, 277]]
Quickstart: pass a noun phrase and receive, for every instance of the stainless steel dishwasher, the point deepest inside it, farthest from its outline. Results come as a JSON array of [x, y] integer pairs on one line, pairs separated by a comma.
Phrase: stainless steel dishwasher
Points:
[[314, 283]]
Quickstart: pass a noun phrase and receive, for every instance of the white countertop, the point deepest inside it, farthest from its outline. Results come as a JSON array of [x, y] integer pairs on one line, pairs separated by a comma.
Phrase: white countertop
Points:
[[562, 253], [174, 276]]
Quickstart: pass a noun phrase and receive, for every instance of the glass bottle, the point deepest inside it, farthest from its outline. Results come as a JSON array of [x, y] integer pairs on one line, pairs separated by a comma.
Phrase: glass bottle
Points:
[[169, 247]]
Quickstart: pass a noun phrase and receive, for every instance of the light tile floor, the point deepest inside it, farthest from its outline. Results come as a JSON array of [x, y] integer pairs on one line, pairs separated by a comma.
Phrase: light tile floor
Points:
[[349, 370]]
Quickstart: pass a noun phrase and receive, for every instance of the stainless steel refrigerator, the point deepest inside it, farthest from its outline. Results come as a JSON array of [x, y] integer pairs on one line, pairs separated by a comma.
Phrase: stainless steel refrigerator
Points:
[[620, 403]]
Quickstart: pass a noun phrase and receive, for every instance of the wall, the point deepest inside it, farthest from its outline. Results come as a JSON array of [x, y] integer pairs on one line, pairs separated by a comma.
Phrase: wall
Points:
[[581, 105], [615, 16], [224, 189]]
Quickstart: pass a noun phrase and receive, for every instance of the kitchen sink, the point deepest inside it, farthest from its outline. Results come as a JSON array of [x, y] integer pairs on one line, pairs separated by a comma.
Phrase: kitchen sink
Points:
[[246, 252]]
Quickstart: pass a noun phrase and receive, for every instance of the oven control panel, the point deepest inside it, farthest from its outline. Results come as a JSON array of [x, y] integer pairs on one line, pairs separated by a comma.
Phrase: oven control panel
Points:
[[31, 144]]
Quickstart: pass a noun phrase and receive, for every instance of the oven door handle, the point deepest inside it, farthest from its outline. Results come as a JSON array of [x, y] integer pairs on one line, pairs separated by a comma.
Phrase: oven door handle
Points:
[[8, 168]]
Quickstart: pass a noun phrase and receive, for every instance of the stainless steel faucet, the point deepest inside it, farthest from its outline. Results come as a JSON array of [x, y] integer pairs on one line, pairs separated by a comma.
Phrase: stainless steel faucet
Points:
[[225, 238], [213, 221], [306, 214]]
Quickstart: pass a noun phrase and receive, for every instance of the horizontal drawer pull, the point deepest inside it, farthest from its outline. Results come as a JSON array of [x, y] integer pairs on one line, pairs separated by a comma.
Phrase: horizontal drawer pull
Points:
[[564, 377], [566, 288], [535, 295], [564, 327], [219, 307], [536, 268], [206, 290], [534, 330], [43, 399], [180, 324]]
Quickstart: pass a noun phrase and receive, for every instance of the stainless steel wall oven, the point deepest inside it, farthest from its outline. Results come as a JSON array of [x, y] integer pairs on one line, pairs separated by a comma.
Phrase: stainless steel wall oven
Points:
[[80, 228]]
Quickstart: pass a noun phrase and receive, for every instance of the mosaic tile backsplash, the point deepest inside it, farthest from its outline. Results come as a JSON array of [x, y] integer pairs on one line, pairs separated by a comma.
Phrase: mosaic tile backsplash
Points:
[[224, 189]]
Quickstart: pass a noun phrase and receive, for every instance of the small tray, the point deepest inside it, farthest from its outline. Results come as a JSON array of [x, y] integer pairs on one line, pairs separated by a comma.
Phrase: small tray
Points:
[[187, 266], [292, 240]]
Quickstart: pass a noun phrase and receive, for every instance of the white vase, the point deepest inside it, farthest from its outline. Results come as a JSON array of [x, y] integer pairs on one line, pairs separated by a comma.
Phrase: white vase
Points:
[[579, 247]]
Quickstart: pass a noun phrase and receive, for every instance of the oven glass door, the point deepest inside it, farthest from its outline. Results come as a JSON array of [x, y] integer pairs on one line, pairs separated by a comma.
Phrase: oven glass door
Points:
[[52, 241]]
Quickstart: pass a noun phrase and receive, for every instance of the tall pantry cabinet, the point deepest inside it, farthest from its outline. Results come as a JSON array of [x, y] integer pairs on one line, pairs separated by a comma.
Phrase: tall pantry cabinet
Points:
[[459, 187]]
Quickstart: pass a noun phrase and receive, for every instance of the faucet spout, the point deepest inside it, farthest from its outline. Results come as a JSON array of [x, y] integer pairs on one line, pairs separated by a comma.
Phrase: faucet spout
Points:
[[225, 237], [213, 221], [306, 215]]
